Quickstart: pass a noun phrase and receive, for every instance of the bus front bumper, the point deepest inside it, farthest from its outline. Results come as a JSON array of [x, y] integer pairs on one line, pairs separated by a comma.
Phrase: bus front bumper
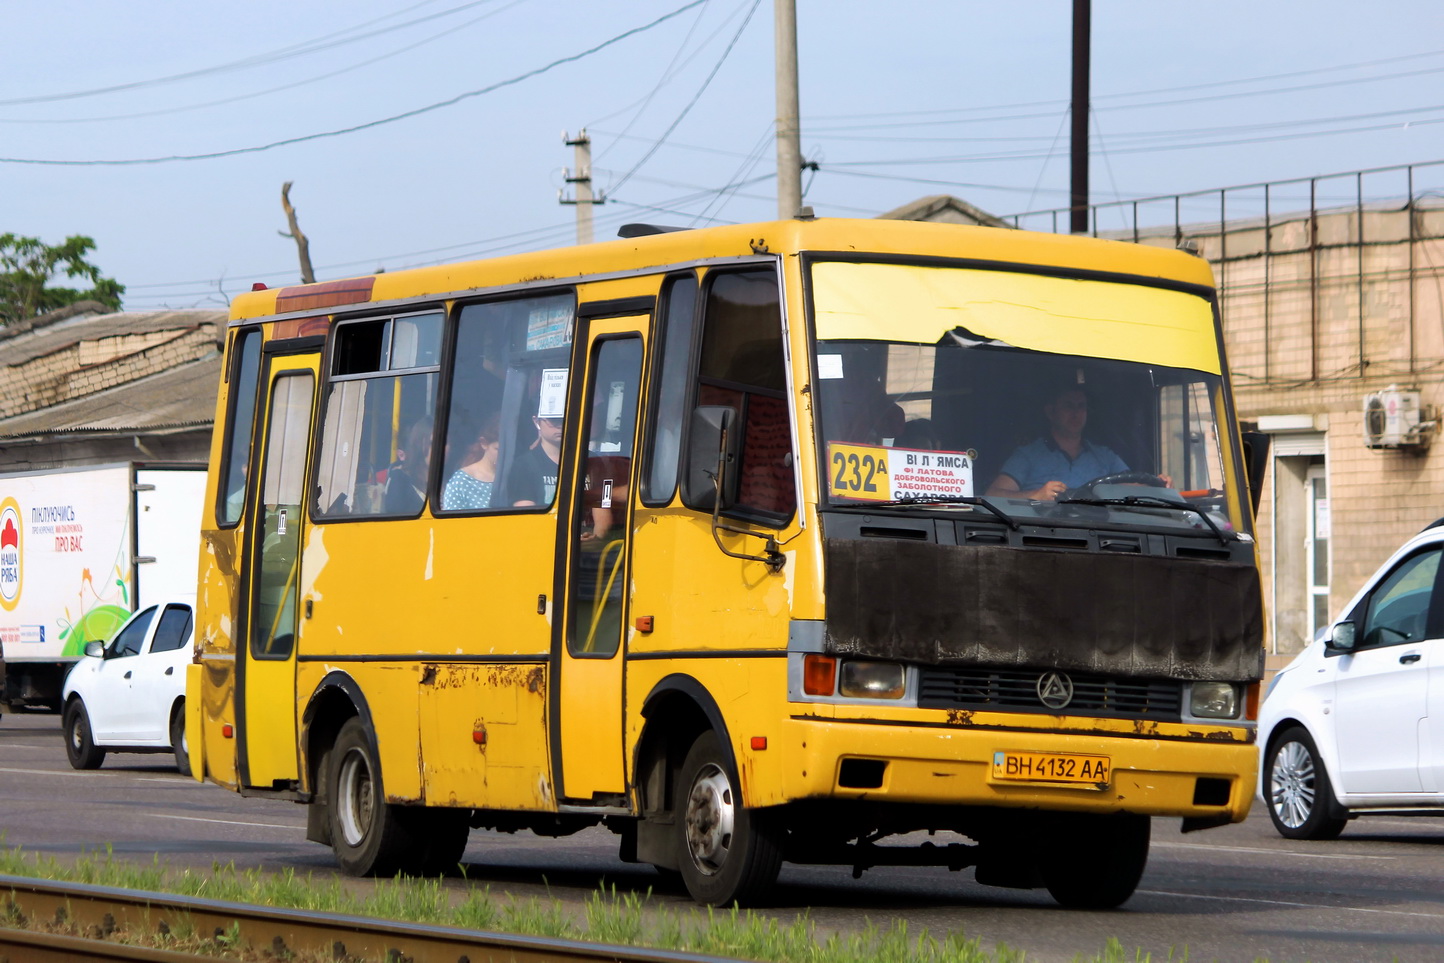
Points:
[[1161, 772]]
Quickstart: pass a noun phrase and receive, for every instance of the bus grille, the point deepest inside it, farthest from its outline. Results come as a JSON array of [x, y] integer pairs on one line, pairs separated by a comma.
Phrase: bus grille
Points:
[[1017, 691]]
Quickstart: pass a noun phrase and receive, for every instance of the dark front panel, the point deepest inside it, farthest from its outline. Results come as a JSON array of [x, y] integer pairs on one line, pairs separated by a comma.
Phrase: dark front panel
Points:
[[1130, 615]]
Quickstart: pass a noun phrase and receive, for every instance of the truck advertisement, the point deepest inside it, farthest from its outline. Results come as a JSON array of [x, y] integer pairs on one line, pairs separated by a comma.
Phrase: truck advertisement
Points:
[[80, 550]]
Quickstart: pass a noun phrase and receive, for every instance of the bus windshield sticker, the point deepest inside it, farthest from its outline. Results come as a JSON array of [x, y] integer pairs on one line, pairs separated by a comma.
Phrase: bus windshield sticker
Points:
[[553, 401], [829, 366], [549, 326], [875, 473]]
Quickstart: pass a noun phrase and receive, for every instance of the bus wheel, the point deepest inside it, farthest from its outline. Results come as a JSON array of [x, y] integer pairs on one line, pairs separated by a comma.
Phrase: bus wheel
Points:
[[728, 853], [368, 835], [80, 747], [1094, 862]]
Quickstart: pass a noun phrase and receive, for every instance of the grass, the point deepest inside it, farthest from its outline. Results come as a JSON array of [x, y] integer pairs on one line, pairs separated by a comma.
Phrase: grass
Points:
[[606, 917]]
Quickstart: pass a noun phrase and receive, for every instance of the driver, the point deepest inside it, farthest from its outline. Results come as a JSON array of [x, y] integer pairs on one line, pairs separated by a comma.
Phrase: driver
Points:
[[1061, 459]]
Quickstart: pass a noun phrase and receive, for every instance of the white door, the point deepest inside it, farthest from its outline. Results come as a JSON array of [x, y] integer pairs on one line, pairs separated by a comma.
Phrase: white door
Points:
[[114, 710], [159, 674], [1381, 688]]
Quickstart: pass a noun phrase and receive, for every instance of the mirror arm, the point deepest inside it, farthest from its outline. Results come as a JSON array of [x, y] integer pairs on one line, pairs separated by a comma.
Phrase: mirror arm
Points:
[[773, 559]]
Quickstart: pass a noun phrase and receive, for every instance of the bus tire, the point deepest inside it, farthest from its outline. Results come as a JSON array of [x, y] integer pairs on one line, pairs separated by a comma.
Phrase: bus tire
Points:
[[368, 835], [80, 747], [1297, 789], [1094, 862], [178, 743], [727, 853]]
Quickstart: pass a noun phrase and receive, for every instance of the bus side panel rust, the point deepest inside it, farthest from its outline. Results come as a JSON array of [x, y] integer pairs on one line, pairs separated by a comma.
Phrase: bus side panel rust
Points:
[[991, 606], [483, 735]]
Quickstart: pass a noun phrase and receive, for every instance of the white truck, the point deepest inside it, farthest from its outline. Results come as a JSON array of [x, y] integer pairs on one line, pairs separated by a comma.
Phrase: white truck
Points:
[[80, 550]]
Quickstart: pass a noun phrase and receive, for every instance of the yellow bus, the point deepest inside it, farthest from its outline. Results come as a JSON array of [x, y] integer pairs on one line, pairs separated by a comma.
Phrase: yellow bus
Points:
[[751, 544]]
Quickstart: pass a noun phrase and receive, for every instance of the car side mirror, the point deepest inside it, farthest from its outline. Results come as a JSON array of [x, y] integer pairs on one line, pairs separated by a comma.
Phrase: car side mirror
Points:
[[95, 649], [706, 457], [1343, 637]]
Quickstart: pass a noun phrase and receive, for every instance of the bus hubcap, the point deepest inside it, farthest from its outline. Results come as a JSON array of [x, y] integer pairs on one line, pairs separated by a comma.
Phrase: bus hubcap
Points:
[[355, 798], [710, 814]]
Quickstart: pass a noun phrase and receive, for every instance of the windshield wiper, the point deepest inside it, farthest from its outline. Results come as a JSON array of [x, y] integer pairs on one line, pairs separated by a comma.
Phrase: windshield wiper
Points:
[[945, 500], [1150, 501]]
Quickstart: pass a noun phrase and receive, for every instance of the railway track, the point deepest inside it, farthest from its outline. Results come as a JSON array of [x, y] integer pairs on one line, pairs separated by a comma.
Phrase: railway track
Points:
[[92, 915]]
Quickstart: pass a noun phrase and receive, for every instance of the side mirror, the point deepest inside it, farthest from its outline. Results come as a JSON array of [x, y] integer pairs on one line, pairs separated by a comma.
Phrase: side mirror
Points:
[[1343, 637], [705, 439], [1256, 446], [95, 649]]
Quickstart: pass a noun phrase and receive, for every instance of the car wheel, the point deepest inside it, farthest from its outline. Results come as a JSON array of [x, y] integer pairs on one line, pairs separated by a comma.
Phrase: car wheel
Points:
[[369, 836], [80, 747], [1094, 862], [1299, 792], [727, 852], [178, 742]]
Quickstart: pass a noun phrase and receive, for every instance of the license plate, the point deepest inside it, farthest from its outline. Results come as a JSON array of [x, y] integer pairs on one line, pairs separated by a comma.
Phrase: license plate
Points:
[[1051, 767]]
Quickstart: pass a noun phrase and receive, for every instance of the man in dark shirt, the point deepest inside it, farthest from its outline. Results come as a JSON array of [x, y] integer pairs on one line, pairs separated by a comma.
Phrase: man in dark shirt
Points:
[[533, 478]]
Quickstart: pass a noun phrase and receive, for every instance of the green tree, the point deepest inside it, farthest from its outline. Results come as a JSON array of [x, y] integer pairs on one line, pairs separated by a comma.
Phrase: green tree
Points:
[[28, 265]]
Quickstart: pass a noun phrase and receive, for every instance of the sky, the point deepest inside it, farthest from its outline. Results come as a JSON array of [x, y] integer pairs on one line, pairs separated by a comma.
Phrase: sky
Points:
[[419, 132]]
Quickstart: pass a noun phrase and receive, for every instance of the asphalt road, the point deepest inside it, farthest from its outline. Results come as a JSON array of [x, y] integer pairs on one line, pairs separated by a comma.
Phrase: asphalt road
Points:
[[1239, 893]]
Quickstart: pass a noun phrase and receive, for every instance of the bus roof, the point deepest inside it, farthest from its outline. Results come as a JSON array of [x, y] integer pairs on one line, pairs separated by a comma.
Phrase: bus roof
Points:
[[671, 248]]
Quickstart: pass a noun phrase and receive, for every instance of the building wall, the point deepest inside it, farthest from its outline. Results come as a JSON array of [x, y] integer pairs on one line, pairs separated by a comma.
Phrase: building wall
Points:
[[86, 367], [1314, 320]]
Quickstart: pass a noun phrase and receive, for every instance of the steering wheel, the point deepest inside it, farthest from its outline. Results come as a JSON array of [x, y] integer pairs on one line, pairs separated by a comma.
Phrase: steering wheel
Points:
[[1085, 490]]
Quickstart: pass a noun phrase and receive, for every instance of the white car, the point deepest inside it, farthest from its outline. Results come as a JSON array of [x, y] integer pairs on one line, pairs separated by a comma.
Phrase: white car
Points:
[[128, 695], [1355, 724]]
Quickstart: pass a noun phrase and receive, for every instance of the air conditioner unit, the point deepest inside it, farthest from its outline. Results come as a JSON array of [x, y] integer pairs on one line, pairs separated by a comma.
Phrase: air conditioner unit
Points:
[[1394, 418]]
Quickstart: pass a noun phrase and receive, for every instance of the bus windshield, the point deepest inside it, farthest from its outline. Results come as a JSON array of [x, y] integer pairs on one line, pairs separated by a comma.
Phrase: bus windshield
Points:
[[1004, 407]]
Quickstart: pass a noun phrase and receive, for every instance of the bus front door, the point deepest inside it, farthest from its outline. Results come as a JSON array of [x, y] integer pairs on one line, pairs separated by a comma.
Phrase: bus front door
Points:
[[589, 660], [267, 677]]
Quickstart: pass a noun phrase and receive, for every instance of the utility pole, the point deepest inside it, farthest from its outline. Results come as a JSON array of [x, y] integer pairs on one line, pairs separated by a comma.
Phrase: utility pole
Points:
[[583, 181], [789, 135], [1079, 201]]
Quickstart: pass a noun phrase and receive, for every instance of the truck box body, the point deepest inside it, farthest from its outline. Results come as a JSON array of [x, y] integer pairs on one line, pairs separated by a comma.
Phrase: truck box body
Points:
[[80, 550]]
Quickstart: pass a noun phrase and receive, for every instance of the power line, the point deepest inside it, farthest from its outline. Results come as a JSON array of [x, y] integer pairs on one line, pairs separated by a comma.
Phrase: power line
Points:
[[256, 60], [691, 103], [366, 126], [1146, 93], [448, 32]]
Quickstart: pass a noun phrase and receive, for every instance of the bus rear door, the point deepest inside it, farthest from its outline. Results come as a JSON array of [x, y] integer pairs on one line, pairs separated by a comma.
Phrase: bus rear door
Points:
[[267, 677], [588, 659]]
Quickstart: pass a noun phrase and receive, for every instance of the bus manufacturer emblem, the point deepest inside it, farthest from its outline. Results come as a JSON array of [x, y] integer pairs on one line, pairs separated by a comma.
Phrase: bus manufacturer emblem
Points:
[[1055, 690]]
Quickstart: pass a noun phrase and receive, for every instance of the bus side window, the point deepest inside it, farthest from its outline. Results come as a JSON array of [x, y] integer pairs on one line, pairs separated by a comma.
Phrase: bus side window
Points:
[[743, 367], [669, 402], [375, 454], [247, 361], [509, 367]]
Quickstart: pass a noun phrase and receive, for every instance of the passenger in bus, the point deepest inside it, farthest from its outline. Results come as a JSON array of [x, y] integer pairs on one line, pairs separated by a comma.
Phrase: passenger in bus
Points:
[[406, 481], [533, 478], [471, 485], [1062, 458]]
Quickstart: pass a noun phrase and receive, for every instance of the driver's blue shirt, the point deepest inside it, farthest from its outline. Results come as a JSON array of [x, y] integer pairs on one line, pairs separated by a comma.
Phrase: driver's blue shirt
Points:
[[1043, 461]]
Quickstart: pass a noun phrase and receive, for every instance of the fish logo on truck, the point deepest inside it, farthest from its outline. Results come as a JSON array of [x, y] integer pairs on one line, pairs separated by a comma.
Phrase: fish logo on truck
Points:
[[11, 572]]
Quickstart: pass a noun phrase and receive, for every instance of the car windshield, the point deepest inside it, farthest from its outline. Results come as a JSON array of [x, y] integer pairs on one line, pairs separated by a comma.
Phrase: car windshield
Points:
[[1040, 436]]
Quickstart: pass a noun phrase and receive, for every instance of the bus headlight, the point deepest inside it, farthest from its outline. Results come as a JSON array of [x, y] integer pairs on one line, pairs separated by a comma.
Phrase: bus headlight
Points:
[[1213, 700], [872, 680]]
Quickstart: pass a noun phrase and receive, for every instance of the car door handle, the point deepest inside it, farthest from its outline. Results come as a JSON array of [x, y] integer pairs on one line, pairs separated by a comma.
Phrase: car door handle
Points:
[[170, 670], [1409, 659], [127, 674]]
